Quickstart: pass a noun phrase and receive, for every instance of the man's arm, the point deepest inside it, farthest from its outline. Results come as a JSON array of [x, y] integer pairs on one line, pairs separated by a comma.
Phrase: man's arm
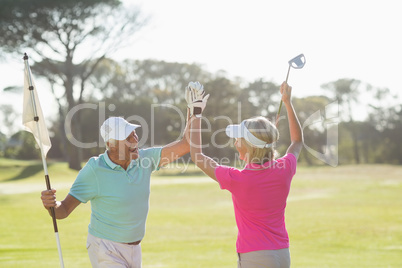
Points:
[[196, 101], [176, 149], [61, 208]]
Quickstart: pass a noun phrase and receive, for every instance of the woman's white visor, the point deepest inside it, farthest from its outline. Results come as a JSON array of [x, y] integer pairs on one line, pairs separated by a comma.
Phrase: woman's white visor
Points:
[[241, 131]]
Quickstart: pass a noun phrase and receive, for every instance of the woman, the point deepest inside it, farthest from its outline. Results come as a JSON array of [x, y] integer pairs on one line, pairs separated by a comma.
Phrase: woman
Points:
[[259, 191]]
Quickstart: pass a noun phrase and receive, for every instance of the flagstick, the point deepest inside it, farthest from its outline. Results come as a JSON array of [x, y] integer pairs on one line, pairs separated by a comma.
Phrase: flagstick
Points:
[[36, 118]]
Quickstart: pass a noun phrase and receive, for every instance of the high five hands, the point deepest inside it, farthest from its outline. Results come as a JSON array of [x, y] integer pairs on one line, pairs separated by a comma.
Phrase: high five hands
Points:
[[196, 101]]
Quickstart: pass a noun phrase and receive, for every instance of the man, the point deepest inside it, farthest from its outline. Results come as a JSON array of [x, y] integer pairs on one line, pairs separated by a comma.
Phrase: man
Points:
[[118, 185]]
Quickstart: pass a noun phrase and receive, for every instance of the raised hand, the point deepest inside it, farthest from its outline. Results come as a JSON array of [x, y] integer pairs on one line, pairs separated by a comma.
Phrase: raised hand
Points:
[[195, 98]]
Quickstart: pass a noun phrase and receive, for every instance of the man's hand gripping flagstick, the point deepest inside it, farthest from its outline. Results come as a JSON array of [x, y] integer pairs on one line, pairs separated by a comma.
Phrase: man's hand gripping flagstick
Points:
[[34, 122]]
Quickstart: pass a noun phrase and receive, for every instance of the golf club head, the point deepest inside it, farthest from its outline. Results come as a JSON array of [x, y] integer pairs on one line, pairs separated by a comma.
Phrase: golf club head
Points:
[[298, 61]]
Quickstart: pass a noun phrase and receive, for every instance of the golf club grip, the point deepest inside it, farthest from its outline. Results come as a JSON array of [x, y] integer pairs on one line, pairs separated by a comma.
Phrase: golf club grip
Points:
[[280, 105]]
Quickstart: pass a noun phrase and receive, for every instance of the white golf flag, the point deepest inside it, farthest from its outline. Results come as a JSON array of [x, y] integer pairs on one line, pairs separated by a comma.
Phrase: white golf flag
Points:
[[37, 128]]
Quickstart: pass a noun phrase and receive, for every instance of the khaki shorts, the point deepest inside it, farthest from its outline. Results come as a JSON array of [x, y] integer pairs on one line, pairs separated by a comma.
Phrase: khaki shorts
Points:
[[265, 259], [104, 253]]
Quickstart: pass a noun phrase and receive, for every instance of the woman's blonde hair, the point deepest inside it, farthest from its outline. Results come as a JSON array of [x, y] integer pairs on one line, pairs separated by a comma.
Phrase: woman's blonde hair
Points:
[[266, 131]]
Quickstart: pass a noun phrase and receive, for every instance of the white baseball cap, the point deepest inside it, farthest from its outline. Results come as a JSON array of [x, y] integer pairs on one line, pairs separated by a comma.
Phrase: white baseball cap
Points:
[[116, 128], [241, 131]]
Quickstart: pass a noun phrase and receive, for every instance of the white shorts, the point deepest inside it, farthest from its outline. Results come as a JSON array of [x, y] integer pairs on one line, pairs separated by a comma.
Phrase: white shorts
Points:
[[104, 253]]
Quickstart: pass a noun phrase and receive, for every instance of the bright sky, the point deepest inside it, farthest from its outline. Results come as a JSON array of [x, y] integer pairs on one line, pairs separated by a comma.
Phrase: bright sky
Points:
[[358, 39]]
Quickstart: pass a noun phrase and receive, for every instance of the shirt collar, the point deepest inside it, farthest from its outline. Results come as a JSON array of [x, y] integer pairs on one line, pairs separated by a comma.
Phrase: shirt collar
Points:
[[108, 161], [113, 165]]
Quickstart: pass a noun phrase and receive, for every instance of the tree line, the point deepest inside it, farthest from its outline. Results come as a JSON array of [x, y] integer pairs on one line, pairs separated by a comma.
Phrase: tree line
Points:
[[151, 93]]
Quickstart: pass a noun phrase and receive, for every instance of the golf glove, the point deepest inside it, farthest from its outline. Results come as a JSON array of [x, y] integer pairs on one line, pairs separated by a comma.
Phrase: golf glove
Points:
[[195, 98], [194, 91]]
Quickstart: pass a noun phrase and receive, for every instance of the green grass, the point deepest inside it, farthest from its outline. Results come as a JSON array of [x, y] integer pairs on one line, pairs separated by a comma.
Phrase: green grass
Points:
[[348, 216]]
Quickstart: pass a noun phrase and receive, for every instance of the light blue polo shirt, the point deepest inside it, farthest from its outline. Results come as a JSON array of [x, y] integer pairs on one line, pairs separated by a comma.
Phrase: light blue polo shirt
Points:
[[119, 198]]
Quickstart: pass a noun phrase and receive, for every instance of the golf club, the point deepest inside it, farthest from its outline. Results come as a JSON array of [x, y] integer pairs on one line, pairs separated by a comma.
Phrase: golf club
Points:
[[296, 63]]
